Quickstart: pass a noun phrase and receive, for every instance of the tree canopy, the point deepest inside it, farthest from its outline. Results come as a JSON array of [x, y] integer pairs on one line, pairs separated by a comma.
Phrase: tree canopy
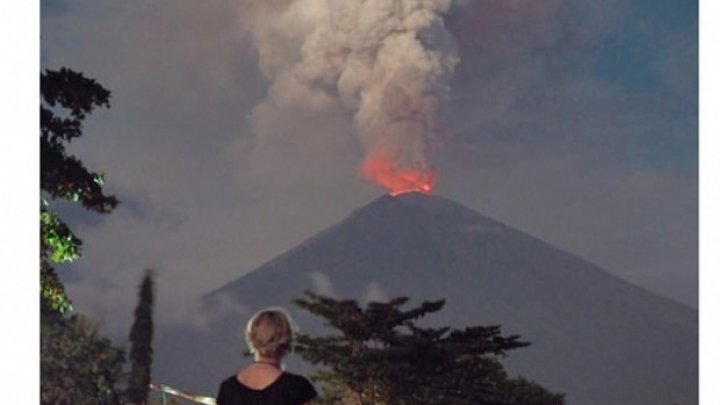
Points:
[[382, 356], [67, 97]]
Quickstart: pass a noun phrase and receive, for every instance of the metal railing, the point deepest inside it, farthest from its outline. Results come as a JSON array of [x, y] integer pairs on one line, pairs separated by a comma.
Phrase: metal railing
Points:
[[166, 390]]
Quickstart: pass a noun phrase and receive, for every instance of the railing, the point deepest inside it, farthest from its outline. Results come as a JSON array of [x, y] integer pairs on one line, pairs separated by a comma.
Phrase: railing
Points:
[[168, 390]]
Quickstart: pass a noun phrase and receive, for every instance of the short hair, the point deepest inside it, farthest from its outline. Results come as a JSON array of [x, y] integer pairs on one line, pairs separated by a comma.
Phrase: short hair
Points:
[[269, 333]]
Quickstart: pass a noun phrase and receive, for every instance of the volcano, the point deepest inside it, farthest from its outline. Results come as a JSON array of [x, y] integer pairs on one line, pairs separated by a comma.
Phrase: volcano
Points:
[[594, 336]]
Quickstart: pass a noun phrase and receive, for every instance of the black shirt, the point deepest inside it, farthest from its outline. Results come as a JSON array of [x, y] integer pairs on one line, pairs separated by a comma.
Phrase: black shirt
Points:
[[288, 389]]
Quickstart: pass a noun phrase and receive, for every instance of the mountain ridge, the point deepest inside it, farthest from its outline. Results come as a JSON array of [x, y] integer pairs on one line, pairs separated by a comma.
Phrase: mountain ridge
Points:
[[385, 199]]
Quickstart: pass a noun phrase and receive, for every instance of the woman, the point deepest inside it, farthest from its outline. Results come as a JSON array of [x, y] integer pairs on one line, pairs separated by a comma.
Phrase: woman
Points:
[[269, 336]]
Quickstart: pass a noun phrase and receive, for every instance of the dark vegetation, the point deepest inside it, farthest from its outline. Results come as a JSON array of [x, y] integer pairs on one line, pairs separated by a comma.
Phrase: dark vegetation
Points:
[[381, 356], [378, 355], [141, 350]]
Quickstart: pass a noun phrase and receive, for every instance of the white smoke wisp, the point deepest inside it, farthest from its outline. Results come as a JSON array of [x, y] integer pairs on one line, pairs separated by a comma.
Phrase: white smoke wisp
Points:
[[388, 62]]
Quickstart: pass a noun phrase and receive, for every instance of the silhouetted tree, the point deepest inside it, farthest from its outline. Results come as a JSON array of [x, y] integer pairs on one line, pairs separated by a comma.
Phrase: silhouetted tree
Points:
[[382, 357], [66, 99], [141, 351]]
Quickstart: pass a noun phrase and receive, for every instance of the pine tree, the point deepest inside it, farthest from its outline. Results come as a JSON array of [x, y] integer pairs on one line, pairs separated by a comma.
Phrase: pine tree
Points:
[[141, 351], [382, 357]]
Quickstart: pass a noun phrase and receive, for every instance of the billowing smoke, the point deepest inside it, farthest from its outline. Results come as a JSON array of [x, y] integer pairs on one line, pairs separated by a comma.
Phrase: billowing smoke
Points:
[[388, 62]]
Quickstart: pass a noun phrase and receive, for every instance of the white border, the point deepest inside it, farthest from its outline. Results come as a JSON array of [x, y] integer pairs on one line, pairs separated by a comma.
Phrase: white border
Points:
[[19, 177], [709, 199], [19, 173]]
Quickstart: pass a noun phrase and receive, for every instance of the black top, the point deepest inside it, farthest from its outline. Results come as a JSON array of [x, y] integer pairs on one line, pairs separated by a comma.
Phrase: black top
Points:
[[288, 389]]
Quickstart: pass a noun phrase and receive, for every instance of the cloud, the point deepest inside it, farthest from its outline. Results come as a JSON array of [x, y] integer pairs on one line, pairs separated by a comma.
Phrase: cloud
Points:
[[321, 284], [375, 293]]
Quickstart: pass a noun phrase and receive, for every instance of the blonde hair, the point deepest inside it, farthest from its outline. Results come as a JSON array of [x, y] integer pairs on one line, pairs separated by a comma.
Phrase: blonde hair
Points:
[[269, 333]]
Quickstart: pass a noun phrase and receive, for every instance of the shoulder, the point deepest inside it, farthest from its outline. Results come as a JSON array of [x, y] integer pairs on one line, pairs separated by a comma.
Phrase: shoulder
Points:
[[228, 392], [296, 379], [301, 385], [229, 383], [230, 380]]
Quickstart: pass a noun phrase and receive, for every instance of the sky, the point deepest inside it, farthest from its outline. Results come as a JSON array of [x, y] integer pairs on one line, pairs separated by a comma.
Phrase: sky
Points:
[[573, 121]]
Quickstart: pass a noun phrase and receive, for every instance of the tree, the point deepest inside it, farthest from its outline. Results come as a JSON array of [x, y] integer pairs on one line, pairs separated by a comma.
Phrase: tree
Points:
[[141, 351], [66, 99], [381, 357], [76, 365]]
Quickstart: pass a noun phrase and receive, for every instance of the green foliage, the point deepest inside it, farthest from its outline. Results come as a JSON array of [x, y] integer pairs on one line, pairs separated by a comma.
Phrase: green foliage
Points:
[[141, 351], [77, 366], [381, 357], [57, 244], [66, 99], [52, 292], [58, 241]]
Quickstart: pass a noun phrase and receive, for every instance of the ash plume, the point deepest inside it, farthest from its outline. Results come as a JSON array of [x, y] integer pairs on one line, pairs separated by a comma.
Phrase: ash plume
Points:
[[387, 62]]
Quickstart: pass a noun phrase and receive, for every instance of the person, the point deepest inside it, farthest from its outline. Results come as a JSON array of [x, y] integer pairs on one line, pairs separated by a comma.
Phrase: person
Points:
[[269, 335]]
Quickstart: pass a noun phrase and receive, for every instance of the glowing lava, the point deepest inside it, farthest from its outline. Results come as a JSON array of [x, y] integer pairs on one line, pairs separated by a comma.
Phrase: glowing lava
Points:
[[382, 169]]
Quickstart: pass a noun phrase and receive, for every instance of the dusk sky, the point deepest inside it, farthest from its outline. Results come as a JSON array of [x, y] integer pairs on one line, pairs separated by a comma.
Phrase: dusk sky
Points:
[[573, 121]]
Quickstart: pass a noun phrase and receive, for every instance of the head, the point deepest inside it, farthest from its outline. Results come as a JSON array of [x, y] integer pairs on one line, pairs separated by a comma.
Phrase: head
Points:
[[269, 333]]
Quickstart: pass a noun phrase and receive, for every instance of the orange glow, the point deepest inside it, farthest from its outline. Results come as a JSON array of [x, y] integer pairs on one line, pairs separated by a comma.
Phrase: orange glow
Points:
[[382, 170]]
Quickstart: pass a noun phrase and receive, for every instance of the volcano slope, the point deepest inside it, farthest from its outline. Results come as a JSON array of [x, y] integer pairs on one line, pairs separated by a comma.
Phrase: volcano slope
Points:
[[595, 337]]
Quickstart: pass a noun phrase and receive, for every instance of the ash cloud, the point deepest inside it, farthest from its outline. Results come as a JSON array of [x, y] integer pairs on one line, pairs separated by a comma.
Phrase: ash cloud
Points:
[[387, 63]]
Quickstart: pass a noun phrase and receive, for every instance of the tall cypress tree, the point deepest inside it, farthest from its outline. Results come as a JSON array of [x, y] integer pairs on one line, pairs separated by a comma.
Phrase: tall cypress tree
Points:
[[141, 343]]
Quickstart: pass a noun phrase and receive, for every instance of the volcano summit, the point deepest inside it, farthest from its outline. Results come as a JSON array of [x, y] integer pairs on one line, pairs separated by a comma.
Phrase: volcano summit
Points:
[[594, 336]]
